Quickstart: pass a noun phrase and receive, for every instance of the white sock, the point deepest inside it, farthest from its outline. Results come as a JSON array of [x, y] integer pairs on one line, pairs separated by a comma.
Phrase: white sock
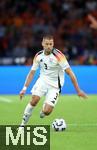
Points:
[[27, 114]]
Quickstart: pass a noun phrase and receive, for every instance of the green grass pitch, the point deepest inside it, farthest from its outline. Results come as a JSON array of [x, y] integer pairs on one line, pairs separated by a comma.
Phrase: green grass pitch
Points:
[[79, 114]]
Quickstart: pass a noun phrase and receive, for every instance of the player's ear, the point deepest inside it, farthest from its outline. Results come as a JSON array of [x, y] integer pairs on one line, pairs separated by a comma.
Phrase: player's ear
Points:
[[42, 43]]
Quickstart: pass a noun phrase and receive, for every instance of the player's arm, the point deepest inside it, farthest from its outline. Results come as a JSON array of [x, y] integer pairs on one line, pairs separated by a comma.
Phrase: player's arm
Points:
[[30, 76], [93, 22], [27, 82], [75, 83]]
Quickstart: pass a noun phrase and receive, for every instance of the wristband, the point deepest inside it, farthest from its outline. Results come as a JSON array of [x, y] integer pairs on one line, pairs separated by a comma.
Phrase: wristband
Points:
[[25, 88]]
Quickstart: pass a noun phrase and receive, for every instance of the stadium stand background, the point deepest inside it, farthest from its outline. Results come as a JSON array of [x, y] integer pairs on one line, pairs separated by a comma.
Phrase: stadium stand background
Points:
[[23, 23], [22, 26]]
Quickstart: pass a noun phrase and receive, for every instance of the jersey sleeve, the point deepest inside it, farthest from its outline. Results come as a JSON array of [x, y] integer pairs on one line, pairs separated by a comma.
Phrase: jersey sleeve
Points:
[[35, 63], [63, 62]]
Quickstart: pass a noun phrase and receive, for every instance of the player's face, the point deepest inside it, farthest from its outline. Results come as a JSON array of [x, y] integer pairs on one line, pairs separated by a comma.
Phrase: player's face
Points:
[[48, 45]]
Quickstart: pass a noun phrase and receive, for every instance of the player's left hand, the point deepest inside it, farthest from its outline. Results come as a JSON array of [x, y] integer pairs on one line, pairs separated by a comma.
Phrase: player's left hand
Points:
[[22, 94], [82, 94]]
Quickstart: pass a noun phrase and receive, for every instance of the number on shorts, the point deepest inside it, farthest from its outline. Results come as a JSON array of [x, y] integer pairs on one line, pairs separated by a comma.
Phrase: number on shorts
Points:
[[56, 96]]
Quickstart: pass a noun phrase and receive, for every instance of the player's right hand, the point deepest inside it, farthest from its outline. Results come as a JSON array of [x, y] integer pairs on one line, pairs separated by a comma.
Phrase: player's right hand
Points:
[[22, 94], [82, 94]]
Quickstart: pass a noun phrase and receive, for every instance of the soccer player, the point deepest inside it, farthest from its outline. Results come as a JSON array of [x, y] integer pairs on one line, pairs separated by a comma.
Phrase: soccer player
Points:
[[53, 64], [93, 22]]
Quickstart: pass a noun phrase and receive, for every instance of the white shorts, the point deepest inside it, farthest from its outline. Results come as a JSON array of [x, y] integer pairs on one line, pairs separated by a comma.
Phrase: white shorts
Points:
[[43, 89]]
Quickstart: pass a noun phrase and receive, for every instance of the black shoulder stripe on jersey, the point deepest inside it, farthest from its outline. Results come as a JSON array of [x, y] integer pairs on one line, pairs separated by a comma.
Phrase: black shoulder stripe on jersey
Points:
[[40, 52], [55, 53], [60, 52]]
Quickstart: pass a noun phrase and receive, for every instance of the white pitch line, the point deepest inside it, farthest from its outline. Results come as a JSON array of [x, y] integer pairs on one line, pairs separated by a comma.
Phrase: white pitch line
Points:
[[6, 100], [82, 124]]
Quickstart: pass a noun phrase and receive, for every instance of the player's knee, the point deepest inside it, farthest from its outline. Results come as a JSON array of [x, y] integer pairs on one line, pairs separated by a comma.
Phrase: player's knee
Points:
[[35, 100]]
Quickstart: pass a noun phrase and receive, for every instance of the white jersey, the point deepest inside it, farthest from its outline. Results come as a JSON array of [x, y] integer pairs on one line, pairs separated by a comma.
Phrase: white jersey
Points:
[[52, 67]]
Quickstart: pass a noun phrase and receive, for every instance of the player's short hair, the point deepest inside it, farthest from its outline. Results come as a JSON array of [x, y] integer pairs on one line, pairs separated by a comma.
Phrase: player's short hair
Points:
[[48, 36]]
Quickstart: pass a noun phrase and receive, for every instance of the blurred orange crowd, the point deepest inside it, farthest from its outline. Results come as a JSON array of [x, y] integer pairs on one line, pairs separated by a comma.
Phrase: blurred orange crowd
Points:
[[23, 24]]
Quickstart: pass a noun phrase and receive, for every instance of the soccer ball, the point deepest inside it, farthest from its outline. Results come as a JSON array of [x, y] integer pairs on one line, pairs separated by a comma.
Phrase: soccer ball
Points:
[[59, 125]]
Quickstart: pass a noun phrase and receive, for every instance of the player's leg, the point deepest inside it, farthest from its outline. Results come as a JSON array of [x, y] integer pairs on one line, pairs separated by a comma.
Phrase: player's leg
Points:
[[50, 102], [37, 91], [29, 109], [46, 110]]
